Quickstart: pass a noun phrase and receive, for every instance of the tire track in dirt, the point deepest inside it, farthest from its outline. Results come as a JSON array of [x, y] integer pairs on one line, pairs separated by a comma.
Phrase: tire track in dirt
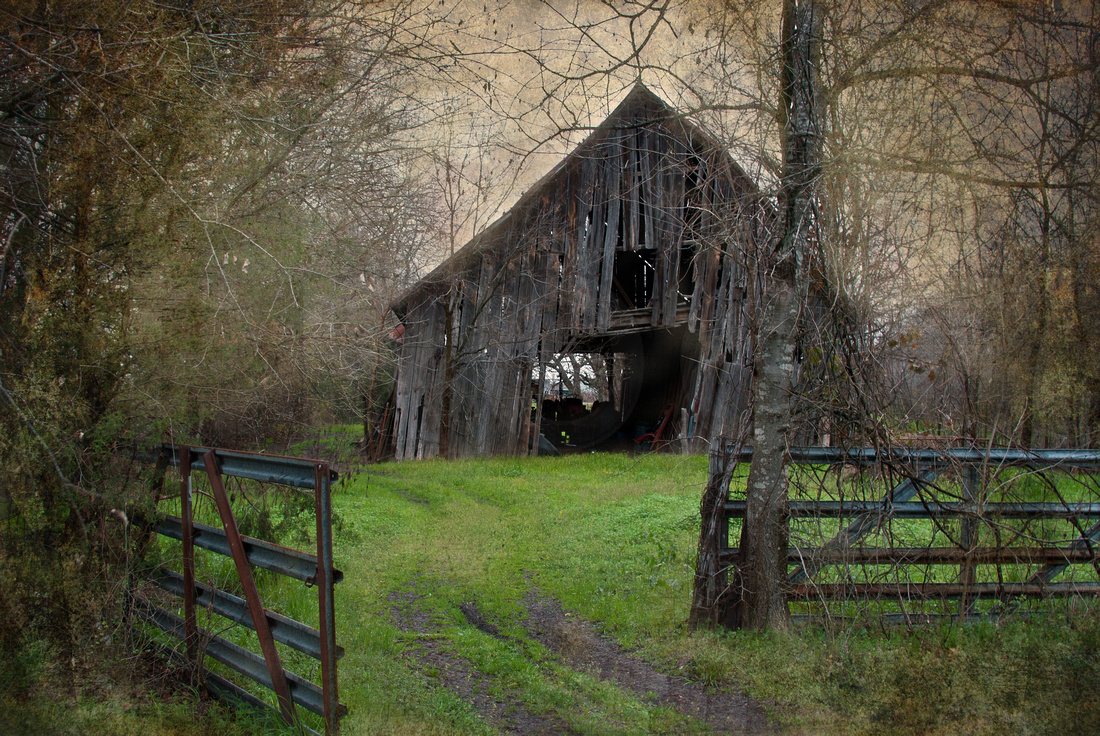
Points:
[[505, 712], [577, 644]]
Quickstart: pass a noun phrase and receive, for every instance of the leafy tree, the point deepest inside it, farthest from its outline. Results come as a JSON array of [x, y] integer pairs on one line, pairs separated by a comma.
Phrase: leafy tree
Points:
[[201, 209]]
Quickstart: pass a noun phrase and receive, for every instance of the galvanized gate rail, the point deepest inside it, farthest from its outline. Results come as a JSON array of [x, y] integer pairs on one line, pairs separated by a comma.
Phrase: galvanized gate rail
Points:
[[924, 466], [313, 570]]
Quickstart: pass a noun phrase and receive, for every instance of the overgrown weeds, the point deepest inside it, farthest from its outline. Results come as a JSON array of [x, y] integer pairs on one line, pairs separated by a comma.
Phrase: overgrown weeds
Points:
[[121, 693]]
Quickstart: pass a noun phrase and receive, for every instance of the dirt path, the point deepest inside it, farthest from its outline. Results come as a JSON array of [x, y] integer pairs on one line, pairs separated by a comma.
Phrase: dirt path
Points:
[[506, 712], [577, 644], [581, 646]]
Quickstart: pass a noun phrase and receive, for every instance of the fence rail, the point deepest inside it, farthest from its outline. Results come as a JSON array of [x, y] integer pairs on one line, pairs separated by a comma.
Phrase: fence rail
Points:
[[930, 509], [938, 591], [933, 457], [274, 557], [918, 496], [315, 570], [935, 555]]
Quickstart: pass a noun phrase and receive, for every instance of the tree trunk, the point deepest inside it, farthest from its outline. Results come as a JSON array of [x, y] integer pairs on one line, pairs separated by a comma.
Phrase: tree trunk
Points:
[[764, 535]]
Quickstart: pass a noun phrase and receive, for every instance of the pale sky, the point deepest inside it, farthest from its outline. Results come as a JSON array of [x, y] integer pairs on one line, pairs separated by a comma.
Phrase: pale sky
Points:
[[536, 75]]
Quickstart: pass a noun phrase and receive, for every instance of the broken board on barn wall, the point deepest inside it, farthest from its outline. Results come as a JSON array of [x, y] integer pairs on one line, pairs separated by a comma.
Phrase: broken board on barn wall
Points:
[[645, 228]]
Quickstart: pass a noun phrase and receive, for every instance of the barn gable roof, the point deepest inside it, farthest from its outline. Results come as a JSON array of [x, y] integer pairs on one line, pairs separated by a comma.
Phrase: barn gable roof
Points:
[[640, 106]]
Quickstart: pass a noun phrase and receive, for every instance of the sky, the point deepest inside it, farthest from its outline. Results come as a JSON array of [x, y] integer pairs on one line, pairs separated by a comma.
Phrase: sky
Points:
[[532, 78]]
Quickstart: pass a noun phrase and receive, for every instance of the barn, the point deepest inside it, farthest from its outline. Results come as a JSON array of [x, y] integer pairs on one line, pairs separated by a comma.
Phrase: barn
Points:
[[610, 304]]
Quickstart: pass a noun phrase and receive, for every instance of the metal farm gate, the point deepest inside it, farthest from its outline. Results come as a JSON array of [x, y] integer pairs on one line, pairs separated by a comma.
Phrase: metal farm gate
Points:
[[957, 524], [314, 570]]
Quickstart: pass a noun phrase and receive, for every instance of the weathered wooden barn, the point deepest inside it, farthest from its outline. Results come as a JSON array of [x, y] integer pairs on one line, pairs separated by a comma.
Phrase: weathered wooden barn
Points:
[[611, 302]]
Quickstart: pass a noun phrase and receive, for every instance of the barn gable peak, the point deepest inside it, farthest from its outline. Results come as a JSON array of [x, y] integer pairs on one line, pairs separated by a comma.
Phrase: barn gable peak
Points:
[[641, 107]]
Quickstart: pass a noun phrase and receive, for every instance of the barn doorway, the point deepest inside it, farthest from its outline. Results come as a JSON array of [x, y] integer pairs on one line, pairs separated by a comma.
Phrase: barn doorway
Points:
[[619, 391]]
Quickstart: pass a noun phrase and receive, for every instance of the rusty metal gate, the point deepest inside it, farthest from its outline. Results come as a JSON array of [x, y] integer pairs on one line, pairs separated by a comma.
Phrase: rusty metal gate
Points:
[[314, 570], [973, 506]]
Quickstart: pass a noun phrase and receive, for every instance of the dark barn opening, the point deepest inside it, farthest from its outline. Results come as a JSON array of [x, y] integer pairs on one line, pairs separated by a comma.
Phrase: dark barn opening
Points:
[[633, 280], [588, 396]]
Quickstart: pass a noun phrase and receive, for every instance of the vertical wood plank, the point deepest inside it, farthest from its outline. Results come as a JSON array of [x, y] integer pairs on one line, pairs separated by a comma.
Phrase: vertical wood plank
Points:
[[647, 189], [613, 196], [633, 221], [586, 223], [597, 230]]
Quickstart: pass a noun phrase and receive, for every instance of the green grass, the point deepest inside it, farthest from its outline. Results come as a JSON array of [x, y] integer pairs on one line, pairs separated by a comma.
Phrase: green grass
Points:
[[613, 539], [609, 536], [41, 694]]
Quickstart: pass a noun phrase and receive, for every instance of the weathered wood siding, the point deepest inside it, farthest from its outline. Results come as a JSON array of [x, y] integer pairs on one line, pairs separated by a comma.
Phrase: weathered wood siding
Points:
[[546, 274]]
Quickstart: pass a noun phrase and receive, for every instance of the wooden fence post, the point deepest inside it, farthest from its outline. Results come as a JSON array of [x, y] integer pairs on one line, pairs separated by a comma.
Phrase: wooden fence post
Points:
[[712, 599]]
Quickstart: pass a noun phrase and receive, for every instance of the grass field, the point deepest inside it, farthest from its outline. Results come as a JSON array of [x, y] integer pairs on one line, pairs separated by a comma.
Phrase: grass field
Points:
[[550, 596], [612, 538]]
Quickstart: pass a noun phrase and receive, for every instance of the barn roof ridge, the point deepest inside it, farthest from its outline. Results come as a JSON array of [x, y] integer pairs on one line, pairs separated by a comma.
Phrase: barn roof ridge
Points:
[[638, 96]]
